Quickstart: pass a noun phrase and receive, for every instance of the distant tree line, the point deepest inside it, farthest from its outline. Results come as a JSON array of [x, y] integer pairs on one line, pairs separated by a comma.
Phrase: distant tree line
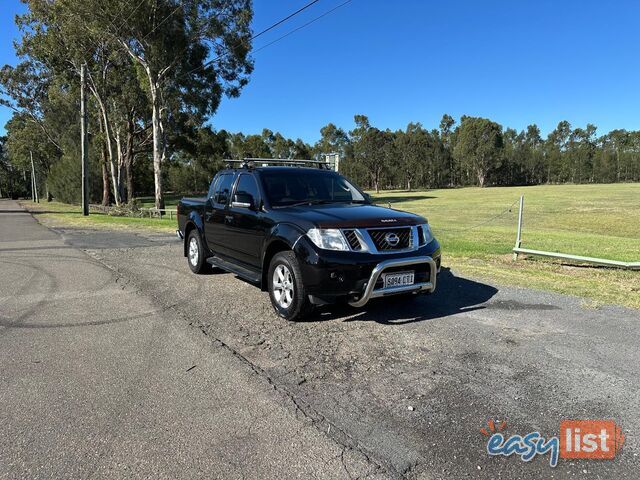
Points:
[[474, 152], [152, 90], [480, 152]]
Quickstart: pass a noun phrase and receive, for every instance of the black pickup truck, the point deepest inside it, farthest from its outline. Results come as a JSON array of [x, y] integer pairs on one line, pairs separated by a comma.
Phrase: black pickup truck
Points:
[[308, 236]]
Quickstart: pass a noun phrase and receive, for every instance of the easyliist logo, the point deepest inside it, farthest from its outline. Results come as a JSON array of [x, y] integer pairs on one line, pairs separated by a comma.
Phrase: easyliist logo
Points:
[[591, 439]]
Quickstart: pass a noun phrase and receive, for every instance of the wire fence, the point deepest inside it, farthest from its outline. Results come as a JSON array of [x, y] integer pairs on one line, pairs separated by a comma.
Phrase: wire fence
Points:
[[489, 220], [151, 212]]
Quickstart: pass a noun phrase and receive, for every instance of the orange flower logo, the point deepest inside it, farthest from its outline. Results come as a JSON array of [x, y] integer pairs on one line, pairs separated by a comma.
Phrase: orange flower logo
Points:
[[491, 428]]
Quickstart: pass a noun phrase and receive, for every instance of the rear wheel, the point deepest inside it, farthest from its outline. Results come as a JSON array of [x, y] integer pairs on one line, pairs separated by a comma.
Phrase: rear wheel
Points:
[[286, 290], [195, 253]]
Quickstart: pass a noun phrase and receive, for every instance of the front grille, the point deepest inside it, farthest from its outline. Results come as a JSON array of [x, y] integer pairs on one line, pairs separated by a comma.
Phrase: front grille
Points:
[[352, 238], [379, 237]]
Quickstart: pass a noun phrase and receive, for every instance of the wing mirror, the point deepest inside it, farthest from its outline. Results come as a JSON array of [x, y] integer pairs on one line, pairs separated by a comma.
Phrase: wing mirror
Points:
[[243, 200]]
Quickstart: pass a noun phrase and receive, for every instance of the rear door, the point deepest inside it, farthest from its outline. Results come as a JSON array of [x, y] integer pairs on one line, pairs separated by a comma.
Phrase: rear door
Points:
[[217, 214], [247, 225]]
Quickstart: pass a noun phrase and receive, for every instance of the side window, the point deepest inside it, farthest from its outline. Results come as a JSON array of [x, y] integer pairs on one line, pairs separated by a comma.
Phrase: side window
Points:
[[247, 186], [213, 187], [223, 189]]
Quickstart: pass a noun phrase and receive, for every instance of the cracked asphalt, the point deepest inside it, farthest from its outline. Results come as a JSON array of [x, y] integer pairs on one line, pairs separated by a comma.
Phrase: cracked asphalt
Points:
[[117, 361]]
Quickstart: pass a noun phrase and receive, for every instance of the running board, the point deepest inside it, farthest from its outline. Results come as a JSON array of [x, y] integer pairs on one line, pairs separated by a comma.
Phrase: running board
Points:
[[249, 275]]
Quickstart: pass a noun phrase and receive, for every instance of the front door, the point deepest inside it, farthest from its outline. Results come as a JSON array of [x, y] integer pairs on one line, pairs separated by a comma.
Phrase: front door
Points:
[[247, 225]]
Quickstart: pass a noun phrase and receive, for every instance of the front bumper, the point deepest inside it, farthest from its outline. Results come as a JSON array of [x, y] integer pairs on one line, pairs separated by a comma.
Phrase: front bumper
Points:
[[371, 291], [336, 276]]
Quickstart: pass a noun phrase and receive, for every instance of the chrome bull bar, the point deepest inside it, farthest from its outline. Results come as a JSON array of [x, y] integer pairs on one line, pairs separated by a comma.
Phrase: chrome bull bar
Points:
[[371, 292]]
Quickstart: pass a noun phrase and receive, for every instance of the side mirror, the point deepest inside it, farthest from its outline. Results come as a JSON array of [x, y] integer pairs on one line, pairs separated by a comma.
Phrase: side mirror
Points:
[[243, 200], [368, 198]]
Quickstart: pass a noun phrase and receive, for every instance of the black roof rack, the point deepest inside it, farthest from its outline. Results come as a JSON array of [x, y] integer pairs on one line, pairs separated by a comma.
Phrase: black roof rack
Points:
[[291, 162]]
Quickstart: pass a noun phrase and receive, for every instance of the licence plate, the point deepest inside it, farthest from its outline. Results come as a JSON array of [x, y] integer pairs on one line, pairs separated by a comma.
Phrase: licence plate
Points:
[[398, 279]]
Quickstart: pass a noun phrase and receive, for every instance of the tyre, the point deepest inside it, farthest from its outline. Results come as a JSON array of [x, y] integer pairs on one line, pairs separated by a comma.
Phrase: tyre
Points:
[[286, 290], [195, 253]]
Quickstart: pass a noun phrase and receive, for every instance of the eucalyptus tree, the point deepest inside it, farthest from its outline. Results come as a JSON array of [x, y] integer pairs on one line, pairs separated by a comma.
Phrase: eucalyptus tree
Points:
[[447, 137], [413, 148], [555, 152], [479, 145], [56, 44], [170, 42], [534, 158], [373, 150], [24, 89], [332, 140]]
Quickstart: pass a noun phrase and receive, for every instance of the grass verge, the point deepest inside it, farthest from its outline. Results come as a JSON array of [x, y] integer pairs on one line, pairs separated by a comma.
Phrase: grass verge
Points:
[[65, 215]]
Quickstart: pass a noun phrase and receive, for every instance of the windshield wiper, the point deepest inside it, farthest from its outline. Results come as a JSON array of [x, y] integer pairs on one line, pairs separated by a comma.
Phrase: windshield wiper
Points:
[[309, 202]]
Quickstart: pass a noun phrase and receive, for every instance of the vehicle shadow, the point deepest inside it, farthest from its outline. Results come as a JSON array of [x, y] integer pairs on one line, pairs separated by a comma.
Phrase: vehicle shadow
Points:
[[453, 295], [381, 199]]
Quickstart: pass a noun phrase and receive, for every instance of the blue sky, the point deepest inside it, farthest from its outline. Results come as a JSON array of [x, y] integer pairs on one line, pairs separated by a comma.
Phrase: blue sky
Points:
[[516, 62]]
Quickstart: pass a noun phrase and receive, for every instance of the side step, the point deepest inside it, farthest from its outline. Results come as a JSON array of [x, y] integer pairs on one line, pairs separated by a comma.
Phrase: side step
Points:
[[249, 275]]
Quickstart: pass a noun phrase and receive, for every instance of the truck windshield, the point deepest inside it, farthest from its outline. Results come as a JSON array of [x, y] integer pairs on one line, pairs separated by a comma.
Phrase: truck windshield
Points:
[[303, 186]]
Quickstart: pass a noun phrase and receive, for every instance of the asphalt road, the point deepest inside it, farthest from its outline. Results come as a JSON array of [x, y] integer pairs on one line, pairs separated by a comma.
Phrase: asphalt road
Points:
[[117, 361]]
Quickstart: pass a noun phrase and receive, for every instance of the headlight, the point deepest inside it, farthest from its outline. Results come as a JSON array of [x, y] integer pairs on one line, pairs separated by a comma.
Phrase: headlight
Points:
[[427, 236], [328, 238]]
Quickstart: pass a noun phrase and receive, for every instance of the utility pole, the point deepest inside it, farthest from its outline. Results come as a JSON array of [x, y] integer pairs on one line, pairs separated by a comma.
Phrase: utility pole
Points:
[[33, 196], [34, 183], [84, 142]]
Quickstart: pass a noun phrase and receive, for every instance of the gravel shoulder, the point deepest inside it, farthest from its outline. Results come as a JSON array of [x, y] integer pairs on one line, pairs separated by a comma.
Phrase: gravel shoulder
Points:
[[410, 384]]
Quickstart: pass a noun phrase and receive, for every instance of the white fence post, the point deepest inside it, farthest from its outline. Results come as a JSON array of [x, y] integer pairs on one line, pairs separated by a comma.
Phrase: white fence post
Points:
[[519, 235]]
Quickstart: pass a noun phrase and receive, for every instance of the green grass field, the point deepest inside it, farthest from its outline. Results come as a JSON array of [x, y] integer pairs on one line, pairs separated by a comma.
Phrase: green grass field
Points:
[[477, 232]]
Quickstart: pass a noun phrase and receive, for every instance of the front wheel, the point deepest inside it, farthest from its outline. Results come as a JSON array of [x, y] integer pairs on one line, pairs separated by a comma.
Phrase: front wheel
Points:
[[286, 290], [195, 253]]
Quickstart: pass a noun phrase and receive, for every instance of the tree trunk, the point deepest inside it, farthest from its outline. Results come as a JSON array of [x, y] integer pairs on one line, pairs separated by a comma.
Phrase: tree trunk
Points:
[[481, 177], [109, 146], [120, 175], [105, 173], [128, 161], [106, 191], [128, 167], [158, 143]]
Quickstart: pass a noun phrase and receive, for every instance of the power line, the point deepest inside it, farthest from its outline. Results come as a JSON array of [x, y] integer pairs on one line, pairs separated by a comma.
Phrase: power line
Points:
[[219, 57], [271, 27], [284, 19], [484, 222], [302, 26]]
